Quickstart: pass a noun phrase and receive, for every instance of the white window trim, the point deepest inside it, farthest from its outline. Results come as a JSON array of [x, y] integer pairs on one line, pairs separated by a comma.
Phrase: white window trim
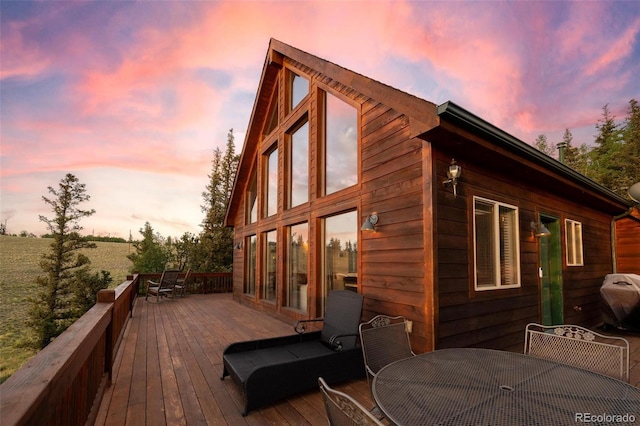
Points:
[[575, 246], [496, 218]]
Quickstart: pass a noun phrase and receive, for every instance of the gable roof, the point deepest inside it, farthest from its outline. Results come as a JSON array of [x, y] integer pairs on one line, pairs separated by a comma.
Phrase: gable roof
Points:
[[427, 121], [421, 113]]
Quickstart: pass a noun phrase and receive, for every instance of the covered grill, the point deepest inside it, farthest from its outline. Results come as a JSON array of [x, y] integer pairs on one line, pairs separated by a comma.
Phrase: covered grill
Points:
[[621, 301]]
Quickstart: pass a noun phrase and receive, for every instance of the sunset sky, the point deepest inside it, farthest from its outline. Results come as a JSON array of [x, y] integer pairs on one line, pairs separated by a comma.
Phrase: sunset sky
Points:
[[133, 97]]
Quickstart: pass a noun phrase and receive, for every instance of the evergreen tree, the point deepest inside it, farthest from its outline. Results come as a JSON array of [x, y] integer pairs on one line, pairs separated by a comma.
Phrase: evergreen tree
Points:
[[575, 157], [150, 253], [216, 251], [85, 288], [630, 158], [185, 249], [542, 145], [614, 160], [606, 155], [52, 309]]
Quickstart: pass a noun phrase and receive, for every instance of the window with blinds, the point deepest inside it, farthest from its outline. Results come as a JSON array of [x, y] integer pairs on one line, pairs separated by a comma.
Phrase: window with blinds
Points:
[[496, 244], [573, 242]]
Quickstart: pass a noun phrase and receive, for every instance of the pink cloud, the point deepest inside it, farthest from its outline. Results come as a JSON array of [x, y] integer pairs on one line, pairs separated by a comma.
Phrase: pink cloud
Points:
[[619, 48], [30, 61], [131, 98]]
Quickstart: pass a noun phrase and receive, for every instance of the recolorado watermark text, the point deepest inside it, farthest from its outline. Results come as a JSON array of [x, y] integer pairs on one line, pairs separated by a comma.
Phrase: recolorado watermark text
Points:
[[604, 418]]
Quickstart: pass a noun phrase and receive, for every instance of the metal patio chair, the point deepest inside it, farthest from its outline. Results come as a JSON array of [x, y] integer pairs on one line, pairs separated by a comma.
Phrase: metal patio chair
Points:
[[342, 409], [580, 347], [384, 339], [164, 287]]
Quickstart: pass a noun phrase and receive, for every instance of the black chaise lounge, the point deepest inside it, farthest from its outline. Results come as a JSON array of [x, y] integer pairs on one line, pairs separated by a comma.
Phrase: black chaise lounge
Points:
[[271, 369]]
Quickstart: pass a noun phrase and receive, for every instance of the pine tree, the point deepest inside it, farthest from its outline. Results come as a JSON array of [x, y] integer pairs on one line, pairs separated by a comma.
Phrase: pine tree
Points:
[[630, 158], [606, 156], [184, 250], [85, 289], [575, 157], [150, 253], [216, 240], [542, 145], [53, 310]]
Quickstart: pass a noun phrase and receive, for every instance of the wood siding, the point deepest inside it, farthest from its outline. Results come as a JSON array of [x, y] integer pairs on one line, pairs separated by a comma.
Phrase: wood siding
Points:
[[419, 262], [393, 257], [628, 244], [391, 265], [497, 318]]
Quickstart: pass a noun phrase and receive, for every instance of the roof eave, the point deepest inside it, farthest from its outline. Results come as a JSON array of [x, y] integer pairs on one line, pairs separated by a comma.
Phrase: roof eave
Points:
[[452, 112], [273, 59]]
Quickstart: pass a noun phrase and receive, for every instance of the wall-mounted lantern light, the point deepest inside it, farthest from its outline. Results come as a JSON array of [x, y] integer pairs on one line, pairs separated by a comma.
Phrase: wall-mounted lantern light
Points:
[[453, 173], [369, 223], [238, 246], [539, 230]]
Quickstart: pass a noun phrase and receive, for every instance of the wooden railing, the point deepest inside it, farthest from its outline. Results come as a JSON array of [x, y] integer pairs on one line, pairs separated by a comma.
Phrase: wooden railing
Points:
[[199, 282], [64, 383]]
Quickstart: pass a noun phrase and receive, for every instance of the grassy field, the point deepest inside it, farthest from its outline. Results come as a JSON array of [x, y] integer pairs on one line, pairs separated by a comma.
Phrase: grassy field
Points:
[[19, 267]]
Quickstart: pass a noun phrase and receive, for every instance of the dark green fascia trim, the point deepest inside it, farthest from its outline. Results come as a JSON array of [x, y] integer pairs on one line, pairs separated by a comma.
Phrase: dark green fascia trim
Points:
[[449, 111]]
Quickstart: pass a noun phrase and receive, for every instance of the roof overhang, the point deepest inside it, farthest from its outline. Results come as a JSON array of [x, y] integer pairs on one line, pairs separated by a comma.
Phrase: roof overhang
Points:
[[448, 127], [461, 130], [422, 114]]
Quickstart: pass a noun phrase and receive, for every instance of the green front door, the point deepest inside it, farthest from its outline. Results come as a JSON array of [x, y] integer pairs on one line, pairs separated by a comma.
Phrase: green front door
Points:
[[550, 273]]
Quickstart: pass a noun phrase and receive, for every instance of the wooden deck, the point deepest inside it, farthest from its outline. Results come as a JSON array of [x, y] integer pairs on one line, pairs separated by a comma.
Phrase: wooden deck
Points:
[[169, 365]]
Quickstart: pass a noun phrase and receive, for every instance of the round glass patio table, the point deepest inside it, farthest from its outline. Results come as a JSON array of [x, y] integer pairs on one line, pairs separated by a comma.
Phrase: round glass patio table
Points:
[[467, 386]]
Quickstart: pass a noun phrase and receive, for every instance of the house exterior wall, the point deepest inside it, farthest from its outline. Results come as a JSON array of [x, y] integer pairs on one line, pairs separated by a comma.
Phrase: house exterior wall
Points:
[[392, 271], [628, 243], [497, 318], [420, 261]]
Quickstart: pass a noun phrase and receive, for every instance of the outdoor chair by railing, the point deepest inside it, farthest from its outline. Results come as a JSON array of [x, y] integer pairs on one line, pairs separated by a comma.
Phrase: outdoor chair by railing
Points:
[[580, 347], [342, 409], [267, 370], [180, 289], [164, 287], [384, 339]]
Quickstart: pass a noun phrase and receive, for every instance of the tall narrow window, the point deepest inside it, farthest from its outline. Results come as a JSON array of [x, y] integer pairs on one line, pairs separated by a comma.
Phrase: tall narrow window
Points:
[[497, 247], [340, 253], [299, 166], [298, 266], [270, 278], [299, 89], [574, 242], [252, 199], [272, 183], [250, 262], [341, 145]]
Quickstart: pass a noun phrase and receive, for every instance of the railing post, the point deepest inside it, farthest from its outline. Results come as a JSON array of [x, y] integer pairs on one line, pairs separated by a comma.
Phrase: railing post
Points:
[[108, 296], [134, 293]]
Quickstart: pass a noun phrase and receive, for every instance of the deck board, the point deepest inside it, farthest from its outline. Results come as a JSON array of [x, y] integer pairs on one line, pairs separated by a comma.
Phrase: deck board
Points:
[[169, 366], [168, 369]]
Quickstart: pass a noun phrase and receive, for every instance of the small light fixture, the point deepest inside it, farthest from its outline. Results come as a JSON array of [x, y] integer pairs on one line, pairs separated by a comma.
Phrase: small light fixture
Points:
[[238, 246], [539, 230], [453, 173], [369, 223]]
